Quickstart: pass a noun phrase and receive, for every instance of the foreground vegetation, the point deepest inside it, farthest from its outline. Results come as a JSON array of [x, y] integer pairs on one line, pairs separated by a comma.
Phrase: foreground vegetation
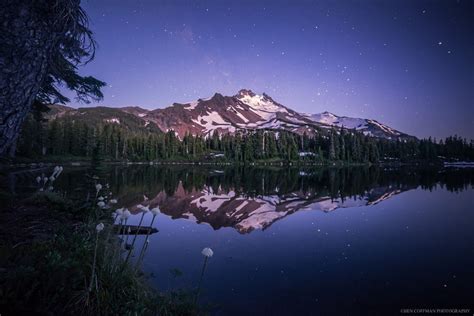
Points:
[[47, 260]]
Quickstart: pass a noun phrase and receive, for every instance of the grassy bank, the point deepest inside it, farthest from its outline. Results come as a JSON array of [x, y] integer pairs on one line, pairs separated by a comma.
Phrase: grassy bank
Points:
[[47, 254]]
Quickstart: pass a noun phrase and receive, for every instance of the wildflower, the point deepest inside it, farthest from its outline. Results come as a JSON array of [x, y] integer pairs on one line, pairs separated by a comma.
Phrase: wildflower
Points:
[[45, 179], [98, 187], [145, 209], [155, 211], [207, 252], [99, 227], [57, 171], [38, 179], [126, 214], [119, 211], [100, 198], [113, 201], [101, 204], [51, 179]]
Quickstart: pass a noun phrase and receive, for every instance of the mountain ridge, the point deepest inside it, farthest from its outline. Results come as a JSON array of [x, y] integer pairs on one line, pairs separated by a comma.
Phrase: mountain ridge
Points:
[[242, 112]]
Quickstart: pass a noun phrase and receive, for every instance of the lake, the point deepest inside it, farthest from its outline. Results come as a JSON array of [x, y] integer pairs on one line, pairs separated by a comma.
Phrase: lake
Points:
[[291, 241]]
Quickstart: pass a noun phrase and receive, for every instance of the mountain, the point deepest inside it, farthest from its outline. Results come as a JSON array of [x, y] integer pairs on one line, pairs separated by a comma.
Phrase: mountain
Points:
[[245, 111]]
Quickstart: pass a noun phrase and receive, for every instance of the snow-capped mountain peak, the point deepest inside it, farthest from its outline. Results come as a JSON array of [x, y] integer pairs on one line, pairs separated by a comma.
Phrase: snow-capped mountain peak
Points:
[[261, 104], [247, 110], [244, 92]]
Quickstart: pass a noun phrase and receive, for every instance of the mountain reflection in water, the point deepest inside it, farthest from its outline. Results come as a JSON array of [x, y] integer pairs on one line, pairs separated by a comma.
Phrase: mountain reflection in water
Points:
[[227, 208], [247, 199]]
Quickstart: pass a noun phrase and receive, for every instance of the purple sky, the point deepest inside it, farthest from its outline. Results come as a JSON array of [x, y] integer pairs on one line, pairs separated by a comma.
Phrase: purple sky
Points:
[[408, 64]]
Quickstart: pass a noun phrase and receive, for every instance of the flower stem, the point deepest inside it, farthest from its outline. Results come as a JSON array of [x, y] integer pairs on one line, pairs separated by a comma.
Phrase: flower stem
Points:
[[200, 280], [145, 246], [135, 238], [93, 264]]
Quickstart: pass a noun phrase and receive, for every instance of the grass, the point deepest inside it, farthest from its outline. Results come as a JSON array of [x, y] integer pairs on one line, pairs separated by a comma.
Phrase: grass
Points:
[[46, 256]]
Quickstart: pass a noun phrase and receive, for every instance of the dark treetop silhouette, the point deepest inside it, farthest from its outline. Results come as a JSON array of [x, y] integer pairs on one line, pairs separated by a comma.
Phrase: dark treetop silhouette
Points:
[[41, 45]]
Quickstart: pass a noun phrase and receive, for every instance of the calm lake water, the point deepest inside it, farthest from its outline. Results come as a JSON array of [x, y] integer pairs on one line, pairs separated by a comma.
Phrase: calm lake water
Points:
[[301, 241]]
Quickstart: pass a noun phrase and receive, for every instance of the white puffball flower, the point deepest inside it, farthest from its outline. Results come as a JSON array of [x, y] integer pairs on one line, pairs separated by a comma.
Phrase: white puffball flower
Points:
[[38, 179], [126, 214], [45, 179], [51, 178], [207, 252], [57, 171], [98, 187], [100, 198], [144, 209], [101, 204], [99, 227], [113, 201], [155, 211]]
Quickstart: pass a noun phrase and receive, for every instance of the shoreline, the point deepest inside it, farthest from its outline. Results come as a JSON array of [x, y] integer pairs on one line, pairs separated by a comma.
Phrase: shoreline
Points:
[[87, 163]]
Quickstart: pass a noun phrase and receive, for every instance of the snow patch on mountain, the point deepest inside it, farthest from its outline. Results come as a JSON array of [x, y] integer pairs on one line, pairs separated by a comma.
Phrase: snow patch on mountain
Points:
[[191, 105], [339, 121], [112, 120], [213, 121], [383, 127]]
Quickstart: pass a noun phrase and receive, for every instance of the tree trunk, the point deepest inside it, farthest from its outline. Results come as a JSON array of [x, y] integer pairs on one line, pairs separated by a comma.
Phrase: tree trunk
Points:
[[26, 43]]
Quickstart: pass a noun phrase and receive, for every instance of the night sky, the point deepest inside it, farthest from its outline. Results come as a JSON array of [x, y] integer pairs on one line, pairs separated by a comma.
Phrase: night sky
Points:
[[408, 64]]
